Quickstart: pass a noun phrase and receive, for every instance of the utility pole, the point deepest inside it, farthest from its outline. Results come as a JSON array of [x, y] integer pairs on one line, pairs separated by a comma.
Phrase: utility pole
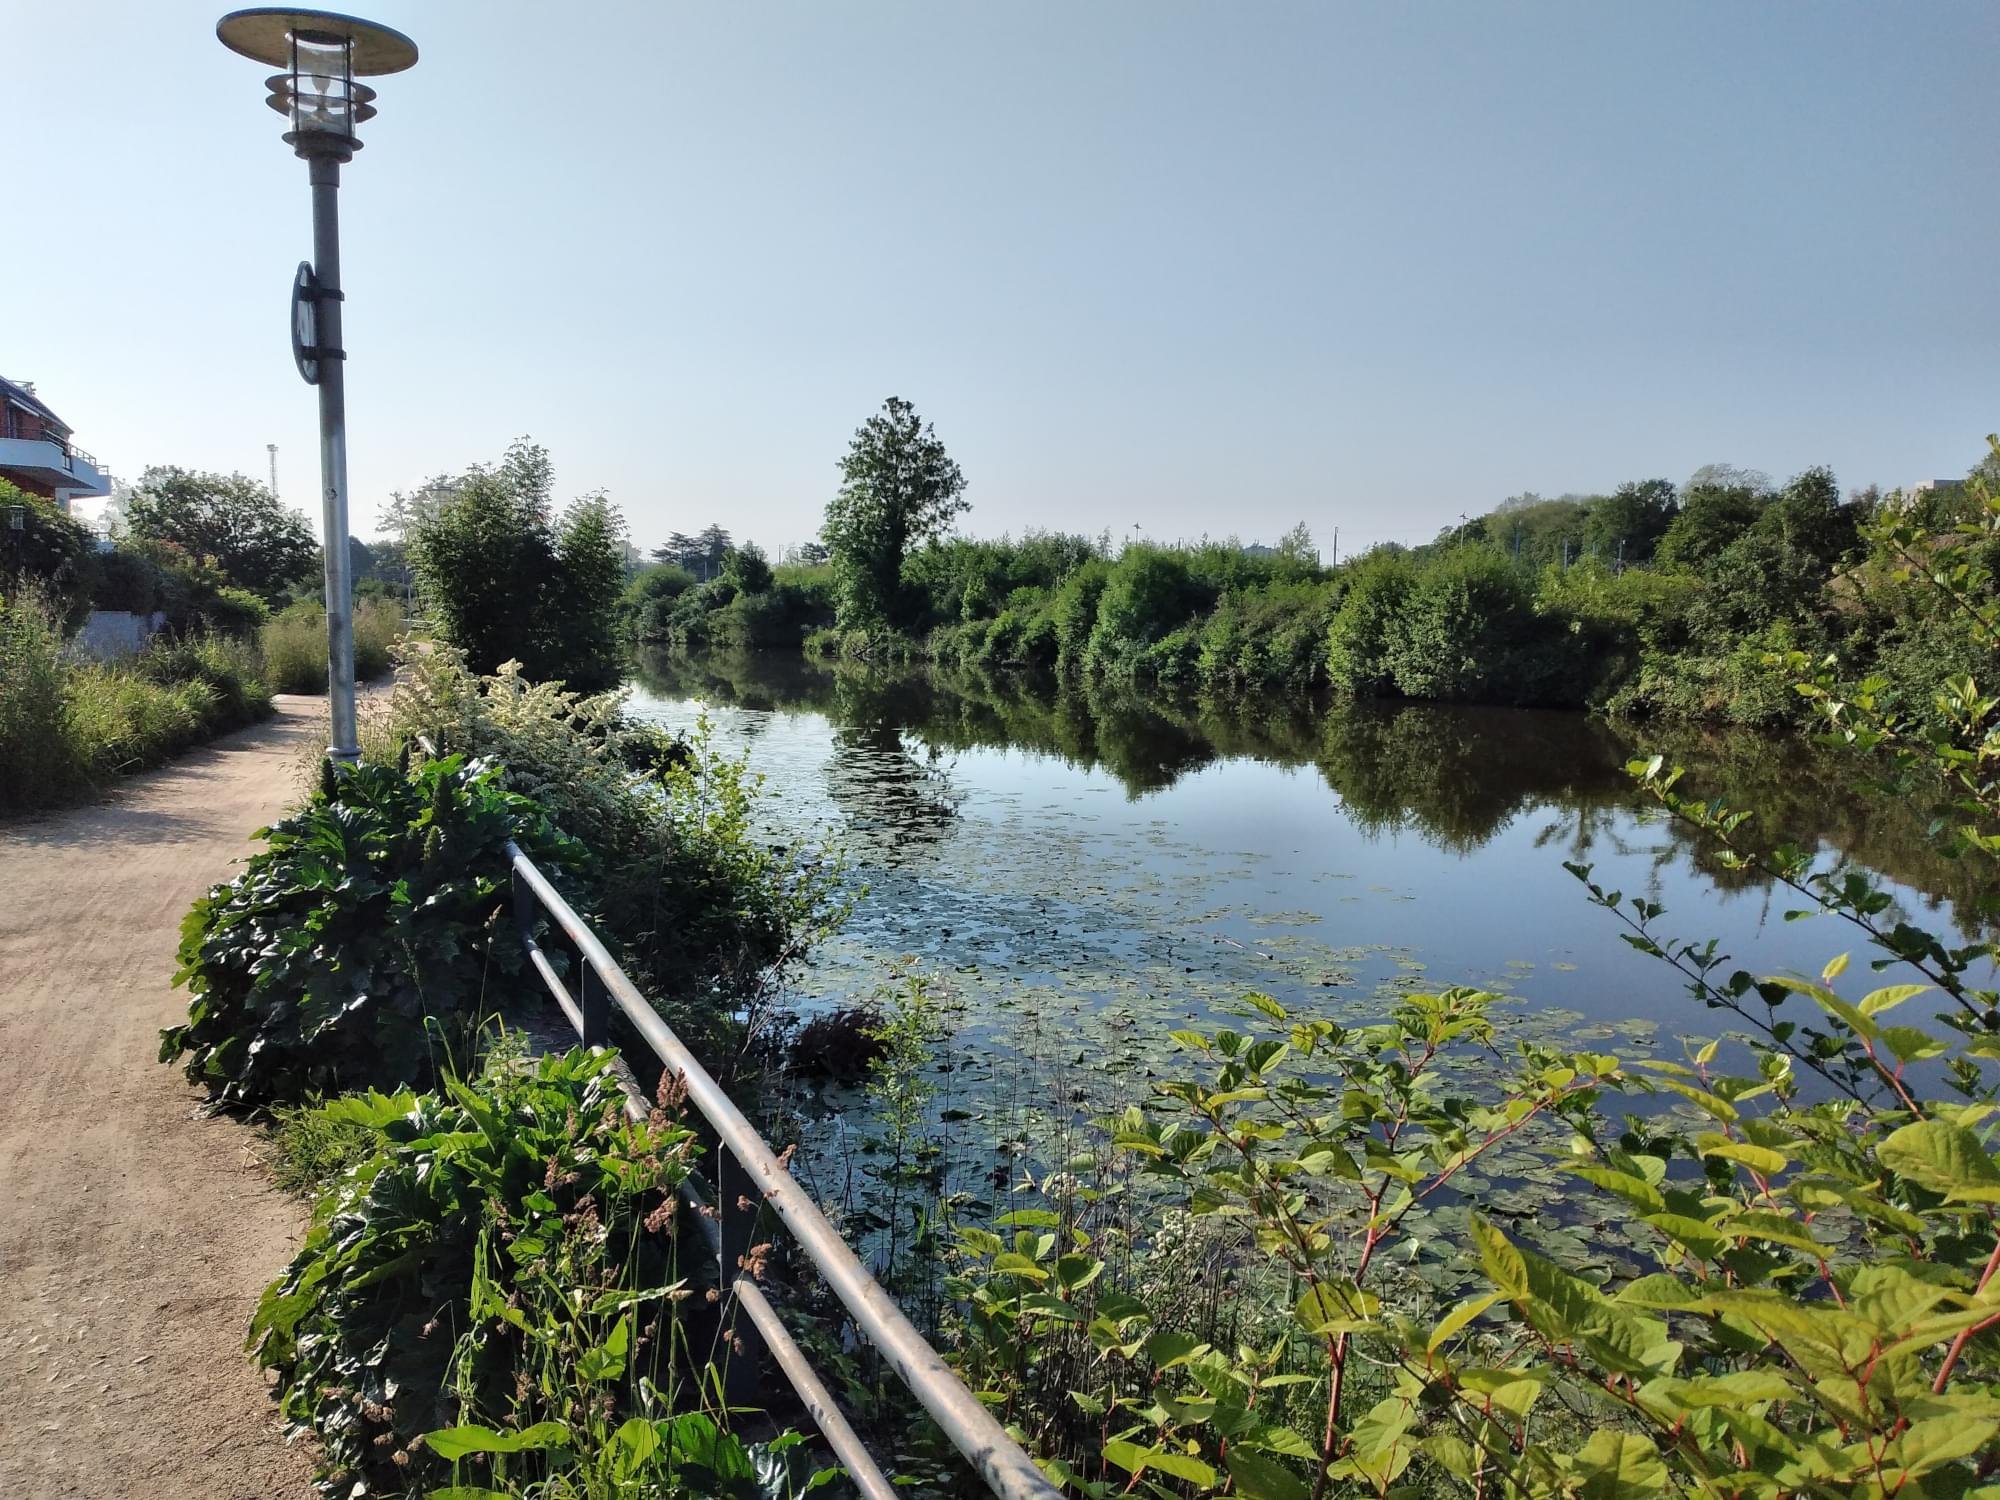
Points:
[[272, 449], [1336, 546]]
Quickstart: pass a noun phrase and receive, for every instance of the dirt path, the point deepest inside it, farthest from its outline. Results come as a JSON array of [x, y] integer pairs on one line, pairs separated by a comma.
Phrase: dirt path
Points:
[[135, 1234]]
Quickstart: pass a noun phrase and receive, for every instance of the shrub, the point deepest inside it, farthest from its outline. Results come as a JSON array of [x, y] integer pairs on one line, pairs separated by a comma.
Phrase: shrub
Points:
[[432, 1301], [360, 948], [507, 580], [1075, 611], [647, 602], [695, 903], [227, 667], [232, 611], [43, 763], [1359, 639], [1467, 632], [293, 648], [68, 726], [126, 581], [1147, 593], [293, 645], [51, 553], [1269, 635]]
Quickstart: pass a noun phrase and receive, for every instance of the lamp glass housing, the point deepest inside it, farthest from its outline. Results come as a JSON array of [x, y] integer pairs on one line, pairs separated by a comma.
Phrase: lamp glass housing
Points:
[[322, 84]]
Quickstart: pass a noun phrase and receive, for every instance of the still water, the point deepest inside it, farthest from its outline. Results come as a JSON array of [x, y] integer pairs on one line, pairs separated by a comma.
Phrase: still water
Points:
[[1097, 867]]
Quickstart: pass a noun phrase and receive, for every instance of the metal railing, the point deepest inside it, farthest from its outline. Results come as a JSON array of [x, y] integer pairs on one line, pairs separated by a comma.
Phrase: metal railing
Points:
[[1001, 1462]]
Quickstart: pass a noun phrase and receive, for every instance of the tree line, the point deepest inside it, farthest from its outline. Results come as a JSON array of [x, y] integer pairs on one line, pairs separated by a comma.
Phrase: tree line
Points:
[[1655, 600]]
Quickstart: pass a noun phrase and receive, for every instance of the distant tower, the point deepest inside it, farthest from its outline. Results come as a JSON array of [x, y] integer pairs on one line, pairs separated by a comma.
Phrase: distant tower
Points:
[[272, 449]]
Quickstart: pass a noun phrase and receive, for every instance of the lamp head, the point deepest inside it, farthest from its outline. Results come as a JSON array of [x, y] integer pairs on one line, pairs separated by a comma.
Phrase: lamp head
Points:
[[321, 55]]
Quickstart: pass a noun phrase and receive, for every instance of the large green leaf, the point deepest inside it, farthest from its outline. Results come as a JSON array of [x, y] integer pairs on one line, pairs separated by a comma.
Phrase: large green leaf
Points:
[[1946, 1158], [452, 1443]]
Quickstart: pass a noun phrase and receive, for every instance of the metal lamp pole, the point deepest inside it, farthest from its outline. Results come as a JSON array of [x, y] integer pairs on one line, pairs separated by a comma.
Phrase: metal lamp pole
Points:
[[322, 54], [324, 173]]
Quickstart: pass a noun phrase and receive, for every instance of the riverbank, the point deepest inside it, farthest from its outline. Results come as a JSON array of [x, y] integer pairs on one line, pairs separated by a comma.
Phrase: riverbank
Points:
[[137, 1232]]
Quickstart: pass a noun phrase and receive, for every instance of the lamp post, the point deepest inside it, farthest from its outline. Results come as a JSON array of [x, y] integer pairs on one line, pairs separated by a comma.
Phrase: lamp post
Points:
[[320, 55]]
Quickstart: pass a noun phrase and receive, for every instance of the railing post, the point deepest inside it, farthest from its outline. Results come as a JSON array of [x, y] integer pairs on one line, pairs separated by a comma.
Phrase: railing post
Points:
[[744, 1372], [524, 903], [595, 1004]]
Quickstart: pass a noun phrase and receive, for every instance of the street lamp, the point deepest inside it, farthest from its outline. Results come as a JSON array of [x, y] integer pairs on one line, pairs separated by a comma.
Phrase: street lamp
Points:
[[321, 54]]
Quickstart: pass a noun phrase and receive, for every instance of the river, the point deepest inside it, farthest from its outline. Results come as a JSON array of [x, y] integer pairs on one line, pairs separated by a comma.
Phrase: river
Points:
[[1085, 869]]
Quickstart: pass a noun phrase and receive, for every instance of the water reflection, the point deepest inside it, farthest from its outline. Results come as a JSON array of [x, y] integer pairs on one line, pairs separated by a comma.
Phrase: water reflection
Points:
[[1453, 777]]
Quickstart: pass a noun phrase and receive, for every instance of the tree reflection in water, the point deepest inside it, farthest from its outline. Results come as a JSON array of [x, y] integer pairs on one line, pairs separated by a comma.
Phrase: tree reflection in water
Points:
[[1452, 776]]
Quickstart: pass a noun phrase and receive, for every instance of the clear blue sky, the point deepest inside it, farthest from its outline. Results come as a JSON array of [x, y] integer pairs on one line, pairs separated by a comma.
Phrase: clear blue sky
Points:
[[1212, 267]]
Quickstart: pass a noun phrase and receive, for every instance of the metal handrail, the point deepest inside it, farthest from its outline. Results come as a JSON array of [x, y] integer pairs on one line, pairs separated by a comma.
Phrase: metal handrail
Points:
[[1001, 1462]]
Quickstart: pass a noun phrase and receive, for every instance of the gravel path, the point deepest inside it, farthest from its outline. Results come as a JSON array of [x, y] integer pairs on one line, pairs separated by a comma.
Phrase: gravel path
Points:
[[135, 1234]]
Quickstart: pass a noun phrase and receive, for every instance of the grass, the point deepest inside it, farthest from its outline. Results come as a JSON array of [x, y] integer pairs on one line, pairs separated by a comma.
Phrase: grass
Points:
[[293, 644], [68, 727], [311, 1148]]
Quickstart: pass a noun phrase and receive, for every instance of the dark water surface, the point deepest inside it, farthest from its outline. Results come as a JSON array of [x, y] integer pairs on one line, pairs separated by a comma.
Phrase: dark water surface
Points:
[[1109, 863]]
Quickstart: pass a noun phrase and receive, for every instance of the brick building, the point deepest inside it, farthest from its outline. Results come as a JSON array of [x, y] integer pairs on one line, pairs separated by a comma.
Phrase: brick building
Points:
[[36, 452]]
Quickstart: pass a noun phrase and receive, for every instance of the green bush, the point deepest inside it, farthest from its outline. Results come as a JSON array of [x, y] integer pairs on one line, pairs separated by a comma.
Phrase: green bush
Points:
[[125, 580], [293, 644], [1468, 632], [52, 554], [68, 726], [228, 667], [1269, 635], [507, 579], [43, 762], [365, 943], [1747, 684], [293, 648], [697, 906], [1359, 641], [1148, 593], [232, 611], [432, 1302]]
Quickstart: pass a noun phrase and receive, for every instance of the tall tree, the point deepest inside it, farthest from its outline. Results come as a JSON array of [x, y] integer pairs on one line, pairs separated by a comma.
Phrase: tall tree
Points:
[[257, 543], [506, 581], [590, 577], [715, 544], [898, 488], [1627, 524]]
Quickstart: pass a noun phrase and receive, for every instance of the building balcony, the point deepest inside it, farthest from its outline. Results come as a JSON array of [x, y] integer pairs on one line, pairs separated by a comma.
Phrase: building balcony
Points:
[[43, 463]]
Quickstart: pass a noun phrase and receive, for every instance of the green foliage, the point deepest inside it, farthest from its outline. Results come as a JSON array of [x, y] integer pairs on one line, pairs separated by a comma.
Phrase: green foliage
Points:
[[747, 569], [1710, 519], [898, 488], [506, 581], [235, 524], [648, 597], [228, 668], [51, 553], [582, 596], [495, 1277], [126, 580], [68, 726], [1149, 592], [696, 905], [1360, 639], [361, 946], [1467, 631], [293, 644], [1805, 1298], [1075, 612], [1269, 635], [43, 761]]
